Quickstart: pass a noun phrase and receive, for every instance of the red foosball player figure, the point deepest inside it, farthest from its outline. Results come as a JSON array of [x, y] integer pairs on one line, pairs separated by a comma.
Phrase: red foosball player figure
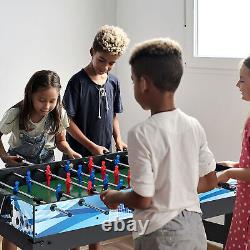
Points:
[[129, 177], [68, 183], [48, 175], [103, 170], [116, 175], [90, 164], [90, 187]]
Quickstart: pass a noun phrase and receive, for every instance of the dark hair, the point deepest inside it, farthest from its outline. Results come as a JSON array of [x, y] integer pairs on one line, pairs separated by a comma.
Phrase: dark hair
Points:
[[161, 61], [43, 79], [246, 62]]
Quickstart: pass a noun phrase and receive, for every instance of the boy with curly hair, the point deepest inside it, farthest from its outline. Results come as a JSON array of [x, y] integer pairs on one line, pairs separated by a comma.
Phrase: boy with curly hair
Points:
[[92, 97], [168, 155]]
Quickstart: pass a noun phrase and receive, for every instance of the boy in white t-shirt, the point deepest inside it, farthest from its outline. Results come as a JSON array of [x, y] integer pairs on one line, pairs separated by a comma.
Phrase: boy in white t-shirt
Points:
[[168, 154]]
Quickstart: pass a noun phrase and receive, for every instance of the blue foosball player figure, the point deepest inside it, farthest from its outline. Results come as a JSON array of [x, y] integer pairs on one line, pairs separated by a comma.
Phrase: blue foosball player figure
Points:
[[58, 192], [92, 177], [28, 181], [106, 182], [79, 174], [120, 185], [16, 188], [117, 160]]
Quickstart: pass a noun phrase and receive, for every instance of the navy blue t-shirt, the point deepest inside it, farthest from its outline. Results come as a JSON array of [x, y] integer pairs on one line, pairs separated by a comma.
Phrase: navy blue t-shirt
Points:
[[92, 107]]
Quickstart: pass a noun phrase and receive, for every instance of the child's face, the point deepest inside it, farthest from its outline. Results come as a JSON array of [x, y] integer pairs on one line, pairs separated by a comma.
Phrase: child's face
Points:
[[44, 101], [244, 83], [103, 62]]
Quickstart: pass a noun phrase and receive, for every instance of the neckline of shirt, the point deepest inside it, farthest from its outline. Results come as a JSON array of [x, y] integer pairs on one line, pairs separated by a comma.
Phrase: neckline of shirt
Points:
[[94, 83]]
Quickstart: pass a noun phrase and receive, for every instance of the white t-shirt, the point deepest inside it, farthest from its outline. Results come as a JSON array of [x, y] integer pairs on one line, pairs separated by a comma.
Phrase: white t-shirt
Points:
[[167, 154], [10, 124]]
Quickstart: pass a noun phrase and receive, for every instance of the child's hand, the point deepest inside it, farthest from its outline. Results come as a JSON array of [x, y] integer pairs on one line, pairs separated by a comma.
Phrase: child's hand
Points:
[[223, 177], [120, 146], [230, 164], [73, 155], [99, 150], [12, 160], [108, 198]]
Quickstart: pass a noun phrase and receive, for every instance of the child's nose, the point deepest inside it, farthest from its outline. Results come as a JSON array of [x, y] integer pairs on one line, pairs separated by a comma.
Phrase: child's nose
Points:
[[46, 105]]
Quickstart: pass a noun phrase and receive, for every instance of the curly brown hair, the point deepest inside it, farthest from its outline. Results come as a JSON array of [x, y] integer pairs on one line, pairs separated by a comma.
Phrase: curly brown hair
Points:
[[111, 39]]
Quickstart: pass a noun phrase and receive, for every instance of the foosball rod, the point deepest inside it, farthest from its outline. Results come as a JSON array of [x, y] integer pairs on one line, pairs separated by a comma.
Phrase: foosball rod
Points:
[[21, 192], [82, 202], [63, 179], [121, 164], [96, 178], [44, 186], [108, 170], [66, 195], [54, 207], [83, 174]]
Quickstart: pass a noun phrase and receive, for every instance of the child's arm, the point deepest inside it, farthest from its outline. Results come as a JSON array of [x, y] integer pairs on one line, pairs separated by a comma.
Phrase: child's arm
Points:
[[113, 198], [120, 145], [230, 164], [78, 135], [207, 182], [8, 159], [64, 147], [242, 174]]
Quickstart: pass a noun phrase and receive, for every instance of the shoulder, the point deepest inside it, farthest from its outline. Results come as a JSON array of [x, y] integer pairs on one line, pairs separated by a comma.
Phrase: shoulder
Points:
[[188, 119], [247, 124], [9, 120], [113, 80], [141, 129], [11, 114], [78, 77]]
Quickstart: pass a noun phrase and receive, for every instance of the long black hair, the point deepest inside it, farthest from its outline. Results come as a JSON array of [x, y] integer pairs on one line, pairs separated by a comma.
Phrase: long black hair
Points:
[[43, 79]]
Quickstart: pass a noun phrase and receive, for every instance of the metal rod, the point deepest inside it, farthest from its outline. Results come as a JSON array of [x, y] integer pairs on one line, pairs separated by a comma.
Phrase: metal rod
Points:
[[108, 170], [54, 207], [63, 179], [121, 164], [85, 204], [21, 192], [82, 202], [44, 186]]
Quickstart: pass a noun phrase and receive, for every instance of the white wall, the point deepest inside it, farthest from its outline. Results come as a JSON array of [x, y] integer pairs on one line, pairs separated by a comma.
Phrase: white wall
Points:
[[46, 34], [207, 94], [57, 35]]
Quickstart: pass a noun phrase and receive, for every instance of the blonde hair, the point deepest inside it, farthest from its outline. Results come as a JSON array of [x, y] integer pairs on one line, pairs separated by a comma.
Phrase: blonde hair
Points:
[[159, 59], [111, 39]]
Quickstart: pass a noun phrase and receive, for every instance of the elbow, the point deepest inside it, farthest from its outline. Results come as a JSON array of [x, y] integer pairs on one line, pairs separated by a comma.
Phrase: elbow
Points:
[[145, 203], [140, 202]]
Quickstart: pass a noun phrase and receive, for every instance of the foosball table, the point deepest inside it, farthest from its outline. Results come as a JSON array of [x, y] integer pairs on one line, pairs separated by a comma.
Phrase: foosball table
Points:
[[58, 206]]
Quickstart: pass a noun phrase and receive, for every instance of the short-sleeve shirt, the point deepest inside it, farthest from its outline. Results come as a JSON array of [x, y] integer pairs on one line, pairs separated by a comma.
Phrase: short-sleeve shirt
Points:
[[92, 109], [10, 124], [167, 154]]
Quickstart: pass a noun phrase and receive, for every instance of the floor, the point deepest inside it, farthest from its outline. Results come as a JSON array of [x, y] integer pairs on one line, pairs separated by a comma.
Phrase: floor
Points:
[[126, 243]]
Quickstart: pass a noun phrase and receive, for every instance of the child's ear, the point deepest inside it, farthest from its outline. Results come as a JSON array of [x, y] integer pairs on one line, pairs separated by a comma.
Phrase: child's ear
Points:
[[144, 83]]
